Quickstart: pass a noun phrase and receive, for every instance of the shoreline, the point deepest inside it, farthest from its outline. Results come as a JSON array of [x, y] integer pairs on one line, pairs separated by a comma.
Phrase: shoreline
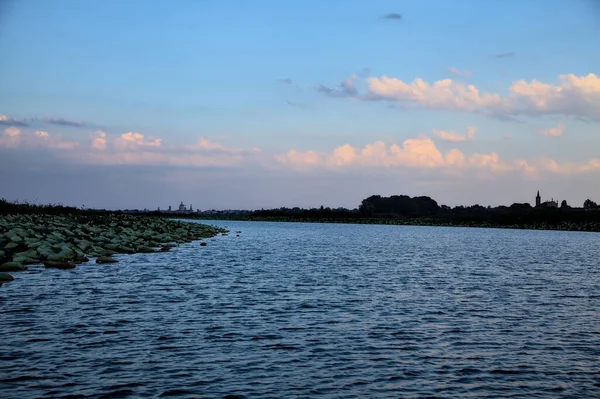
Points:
[[64, 241], [588, 227]]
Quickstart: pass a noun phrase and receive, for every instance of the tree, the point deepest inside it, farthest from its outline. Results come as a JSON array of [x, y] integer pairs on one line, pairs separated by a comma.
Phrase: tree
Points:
[[589, 204]]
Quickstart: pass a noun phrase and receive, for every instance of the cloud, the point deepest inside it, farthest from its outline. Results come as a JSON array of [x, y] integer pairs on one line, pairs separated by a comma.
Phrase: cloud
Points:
[[456, 72], [345, 89], [555, 131], [202, 154], [509, 54], [443, 94], [455, 137], [577, 96], [287, 81], [63, 122], [392, 15], [99, 140], [131, 139], [416, 153], [420, 153], [13, 138], [12, 131], [6, 121]]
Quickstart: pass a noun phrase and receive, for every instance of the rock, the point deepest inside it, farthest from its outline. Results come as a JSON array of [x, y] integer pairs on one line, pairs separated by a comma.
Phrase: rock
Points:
[[44, 251], [203, 244], [12, 267], [145, 249], [4, 277], [64, 255], [11, 245], [84, 245], [16, 239], [125, 250], [59, 264], [106, 259], [112, 246], [81, 259]]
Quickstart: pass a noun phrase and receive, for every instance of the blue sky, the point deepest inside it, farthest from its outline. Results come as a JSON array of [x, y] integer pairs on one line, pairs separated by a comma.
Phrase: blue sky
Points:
[[245, 75]]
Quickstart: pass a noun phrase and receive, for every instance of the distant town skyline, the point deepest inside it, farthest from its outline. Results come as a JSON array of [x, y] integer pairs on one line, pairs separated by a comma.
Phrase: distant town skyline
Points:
[[264, 104]]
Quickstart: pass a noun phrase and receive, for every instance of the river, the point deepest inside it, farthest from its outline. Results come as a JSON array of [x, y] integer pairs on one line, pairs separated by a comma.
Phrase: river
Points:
[[295, 310]]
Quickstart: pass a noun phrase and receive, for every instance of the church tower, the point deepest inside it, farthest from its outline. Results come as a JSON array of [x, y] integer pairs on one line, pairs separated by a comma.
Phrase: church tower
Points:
[[538, 199]]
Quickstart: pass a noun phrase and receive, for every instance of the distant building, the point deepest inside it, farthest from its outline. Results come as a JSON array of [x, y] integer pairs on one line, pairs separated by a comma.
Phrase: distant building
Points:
[[182, 208], [546, 204]]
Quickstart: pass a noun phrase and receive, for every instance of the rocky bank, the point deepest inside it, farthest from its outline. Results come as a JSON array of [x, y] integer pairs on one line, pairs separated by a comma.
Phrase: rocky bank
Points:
[[63, 241]]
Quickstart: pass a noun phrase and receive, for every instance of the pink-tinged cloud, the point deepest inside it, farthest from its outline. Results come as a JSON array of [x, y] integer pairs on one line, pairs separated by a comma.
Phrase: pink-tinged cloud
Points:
[[569, 168], [555, 131], [12, 131], [136, 140], [577, 96], [135, 149], [14, 138], [11, 137], [99, 140], [421, 153], [457, 72], [444, 94], [206, 145], [455, 137]]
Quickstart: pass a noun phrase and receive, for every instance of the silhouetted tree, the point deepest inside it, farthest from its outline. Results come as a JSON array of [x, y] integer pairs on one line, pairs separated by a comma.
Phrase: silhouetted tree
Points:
[[589, 204]]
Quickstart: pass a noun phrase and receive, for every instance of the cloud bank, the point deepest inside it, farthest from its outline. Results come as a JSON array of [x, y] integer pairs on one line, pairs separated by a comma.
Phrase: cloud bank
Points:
[[575, 96]]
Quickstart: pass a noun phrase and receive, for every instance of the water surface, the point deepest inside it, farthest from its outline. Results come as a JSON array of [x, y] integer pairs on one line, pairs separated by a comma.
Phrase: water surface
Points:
[[314, 310]]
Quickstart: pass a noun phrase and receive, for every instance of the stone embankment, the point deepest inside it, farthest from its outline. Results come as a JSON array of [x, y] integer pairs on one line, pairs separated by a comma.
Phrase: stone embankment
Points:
[[63, 241]]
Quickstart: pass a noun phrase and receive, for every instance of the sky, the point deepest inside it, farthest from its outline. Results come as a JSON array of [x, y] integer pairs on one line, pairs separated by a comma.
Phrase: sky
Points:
[[249, 104]]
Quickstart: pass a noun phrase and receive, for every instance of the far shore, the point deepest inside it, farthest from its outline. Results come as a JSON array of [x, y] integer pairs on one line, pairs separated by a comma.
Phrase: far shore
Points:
[[591, 226]]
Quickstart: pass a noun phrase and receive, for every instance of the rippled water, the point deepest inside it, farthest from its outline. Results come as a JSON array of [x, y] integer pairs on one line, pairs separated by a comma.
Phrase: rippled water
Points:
[[314, 310]]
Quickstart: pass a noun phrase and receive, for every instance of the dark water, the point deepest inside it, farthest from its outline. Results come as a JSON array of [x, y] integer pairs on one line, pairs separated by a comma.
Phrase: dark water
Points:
[[310, 310]]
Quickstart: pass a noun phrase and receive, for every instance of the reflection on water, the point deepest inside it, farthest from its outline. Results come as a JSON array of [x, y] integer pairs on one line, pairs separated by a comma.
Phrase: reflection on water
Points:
[[314, 310]]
